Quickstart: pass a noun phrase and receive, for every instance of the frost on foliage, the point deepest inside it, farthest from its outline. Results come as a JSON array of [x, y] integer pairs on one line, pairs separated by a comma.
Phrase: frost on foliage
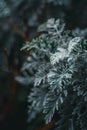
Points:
[[41, 75], [62, 53], [51, 104], [57, 56], [58, 65], [59, 77], [36, 99], [55, 26], [73, 43], [82, 80]]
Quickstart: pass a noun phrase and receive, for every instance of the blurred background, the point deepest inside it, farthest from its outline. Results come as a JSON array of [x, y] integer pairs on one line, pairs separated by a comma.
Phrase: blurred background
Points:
[[19, 20]]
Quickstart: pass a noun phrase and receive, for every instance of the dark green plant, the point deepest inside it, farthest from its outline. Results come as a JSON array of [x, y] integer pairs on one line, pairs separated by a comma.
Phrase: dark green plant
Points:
[[58, 65]]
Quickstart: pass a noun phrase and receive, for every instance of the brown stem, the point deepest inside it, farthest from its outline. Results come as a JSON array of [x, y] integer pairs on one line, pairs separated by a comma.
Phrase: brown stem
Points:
[[7, 58], [17, 30], [47, 127]]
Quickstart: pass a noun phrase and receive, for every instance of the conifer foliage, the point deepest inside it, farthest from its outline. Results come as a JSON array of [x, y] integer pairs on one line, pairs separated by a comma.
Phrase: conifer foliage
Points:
[[58, 65]]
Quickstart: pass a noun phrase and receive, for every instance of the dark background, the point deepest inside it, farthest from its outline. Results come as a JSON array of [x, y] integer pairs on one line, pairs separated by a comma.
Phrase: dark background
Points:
[[18, 23]]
